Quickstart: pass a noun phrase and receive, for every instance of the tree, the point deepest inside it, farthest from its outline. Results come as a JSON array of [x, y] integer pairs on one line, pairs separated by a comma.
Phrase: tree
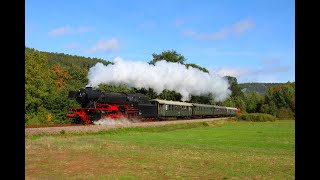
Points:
[[281, 100], [170, 95], [38, 81], [204, 99], [169, 56], [234, 87], [253, 102], [114, 88], [198, 67], [239, 103], [149, 92], [60, 76], [229, 102], [78, 78]]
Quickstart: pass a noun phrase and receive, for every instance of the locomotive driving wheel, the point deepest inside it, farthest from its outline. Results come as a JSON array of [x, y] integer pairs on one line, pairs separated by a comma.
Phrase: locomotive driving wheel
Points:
[[77, 119]]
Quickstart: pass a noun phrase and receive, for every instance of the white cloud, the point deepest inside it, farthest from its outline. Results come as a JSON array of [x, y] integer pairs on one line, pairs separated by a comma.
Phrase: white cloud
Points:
[[179, 22], [266, 73], [110, 45], [69, 30], [235, 72], [270, 61], [71, 46], [147, 25], [60, 31], [241, 26], [84, 29], [235, 29]]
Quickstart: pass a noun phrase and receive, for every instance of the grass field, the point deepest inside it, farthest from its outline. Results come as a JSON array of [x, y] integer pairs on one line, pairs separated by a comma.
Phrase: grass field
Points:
[[215, 150]]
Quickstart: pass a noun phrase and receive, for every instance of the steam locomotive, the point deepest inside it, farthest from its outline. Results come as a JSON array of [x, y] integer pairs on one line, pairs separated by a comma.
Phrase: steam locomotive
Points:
[[96, 105]]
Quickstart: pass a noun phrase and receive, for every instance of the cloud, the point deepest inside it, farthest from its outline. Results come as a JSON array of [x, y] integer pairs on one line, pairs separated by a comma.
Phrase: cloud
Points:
[[235, 72], [69, 30], [83, 29], [233, 30], [221, 52], [270, 61], [265, 73], [241, 26], [265, 70], [179, 22], [71, 46], [147, 25], [110, 45]]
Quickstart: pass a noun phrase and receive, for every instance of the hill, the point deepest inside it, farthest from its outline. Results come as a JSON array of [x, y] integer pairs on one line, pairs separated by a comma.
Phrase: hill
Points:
[[260, 88], [66, 60]]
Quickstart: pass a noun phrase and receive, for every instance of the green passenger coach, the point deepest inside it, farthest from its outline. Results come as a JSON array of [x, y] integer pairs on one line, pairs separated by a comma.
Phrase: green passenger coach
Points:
[[219, 111], [202, 110], [231, 111], [168, 109]]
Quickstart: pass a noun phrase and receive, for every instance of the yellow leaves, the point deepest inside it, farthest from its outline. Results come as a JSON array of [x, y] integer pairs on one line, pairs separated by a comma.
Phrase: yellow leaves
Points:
[[60, 76], [49, 117]]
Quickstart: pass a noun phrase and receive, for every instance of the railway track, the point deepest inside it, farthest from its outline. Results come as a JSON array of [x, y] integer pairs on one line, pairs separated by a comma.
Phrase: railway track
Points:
[[63, 125], [79, 128], [52, 125]]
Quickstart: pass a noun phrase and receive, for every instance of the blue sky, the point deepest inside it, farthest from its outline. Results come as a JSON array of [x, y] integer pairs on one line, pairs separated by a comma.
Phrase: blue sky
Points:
[[253, 40]]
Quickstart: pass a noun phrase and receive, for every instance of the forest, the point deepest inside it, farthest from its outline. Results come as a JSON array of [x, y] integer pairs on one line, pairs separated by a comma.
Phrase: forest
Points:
[[50, 76]]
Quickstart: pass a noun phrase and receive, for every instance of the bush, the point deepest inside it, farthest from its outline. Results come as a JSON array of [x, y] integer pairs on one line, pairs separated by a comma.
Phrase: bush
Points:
[[256, 117], [205, 124], [38, 118], [285, 113]]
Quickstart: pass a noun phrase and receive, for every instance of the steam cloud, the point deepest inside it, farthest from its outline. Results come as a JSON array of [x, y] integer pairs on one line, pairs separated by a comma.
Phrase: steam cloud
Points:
[[162, 75], [113, 122]]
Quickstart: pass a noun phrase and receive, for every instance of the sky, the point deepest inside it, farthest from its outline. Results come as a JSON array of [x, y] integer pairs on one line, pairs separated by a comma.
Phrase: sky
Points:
[[252, 40]]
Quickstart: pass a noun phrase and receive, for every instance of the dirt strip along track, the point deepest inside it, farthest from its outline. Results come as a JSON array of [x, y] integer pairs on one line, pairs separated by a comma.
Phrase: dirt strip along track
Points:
[[103, 127]]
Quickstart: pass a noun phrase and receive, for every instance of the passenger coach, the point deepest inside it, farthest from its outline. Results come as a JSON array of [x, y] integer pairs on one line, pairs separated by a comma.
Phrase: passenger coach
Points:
[[202, 110], [176, 109]]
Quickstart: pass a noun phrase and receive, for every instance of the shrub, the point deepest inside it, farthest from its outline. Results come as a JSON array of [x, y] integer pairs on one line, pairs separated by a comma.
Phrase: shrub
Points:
[[38, 118], [205, 124], [285, 113], [256, 117]]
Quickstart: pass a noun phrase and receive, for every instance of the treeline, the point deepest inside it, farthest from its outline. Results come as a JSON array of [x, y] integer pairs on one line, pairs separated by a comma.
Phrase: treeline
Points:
[[50, 76], [279, 100], [260, 88]]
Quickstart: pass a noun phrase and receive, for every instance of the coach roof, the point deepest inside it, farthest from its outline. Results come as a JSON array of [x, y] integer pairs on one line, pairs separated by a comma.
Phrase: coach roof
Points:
[[172, 102], [202, 105]]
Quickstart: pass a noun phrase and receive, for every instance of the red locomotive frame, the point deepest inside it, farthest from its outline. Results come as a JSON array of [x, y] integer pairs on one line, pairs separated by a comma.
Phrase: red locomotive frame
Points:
[[113, 111]]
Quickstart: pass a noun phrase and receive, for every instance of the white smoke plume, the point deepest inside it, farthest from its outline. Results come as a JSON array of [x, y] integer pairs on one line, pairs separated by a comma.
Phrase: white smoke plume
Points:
[[162, 75]]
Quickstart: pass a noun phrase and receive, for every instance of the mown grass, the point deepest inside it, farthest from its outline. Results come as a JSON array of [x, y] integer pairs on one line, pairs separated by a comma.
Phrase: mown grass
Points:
[[217, 150]]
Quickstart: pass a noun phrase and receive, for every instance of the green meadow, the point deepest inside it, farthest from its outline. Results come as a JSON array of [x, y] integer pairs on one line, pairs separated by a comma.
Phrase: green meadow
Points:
[[211, 150]]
